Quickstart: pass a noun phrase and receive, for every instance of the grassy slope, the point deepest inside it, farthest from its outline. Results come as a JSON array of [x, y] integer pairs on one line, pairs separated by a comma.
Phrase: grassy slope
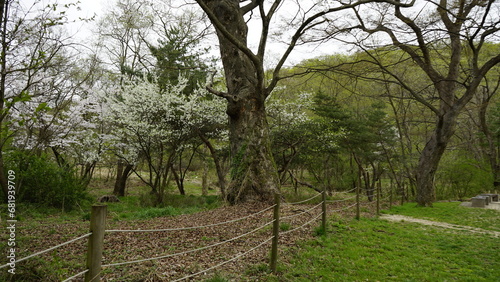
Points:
[[377, 250], [452, 212]]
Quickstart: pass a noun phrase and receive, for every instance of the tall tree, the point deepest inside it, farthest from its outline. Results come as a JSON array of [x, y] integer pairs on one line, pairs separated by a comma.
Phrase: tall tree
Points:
[[177, 54], [446, 40], [254, 174], [31, 56], [122, 34]]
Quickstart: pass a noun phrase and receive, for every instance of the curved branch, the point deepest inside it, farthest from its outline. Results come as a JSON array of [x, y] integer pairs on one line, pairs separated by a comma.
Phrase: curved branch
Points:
[[418, 33], [266, 19], [209, 88], [256, 61], [249, 7], [309, 23], [479, 76]]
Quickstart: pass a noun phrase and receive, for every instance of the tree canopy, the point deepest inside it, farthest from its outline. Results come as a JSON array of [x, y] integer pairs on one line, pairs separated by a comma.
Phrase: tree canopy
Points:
[[412, 91]]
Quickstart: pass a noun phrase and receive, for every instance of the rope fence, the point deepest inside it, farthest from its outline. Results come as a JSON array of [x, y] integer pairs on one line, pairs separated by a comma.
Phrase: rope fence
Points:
[[353, 190], [97, 230], [304, 201], [49, 249], [226, 261], [193, 250], [345, 208], [304, 212], [302, 226], [342, 200], [76, 275]]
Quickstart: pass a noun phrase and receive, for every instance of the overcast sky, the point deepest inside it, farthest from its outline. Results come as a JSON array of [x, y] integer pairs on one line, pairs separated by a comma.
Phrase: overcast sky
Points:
[[88, 8]]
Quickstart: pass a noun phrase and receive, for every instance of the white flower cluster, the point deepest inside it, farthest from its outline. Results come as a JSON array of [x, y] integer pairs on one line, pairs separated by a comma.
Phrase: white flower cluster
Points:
[[144, 116], [123, 120], [289, 112]]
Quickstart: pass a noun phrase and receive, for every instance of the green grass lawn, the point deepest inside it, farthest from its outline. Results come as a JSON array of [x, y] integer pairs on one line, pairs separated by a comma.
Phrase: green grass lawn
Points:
[[452, 212], [379, 250]]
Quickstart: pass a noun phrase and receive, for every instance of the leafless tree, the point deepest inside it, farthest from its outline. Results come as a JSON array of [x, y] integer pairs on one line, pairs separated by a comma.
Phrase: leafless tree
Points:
[[448, 41], [254, 174]]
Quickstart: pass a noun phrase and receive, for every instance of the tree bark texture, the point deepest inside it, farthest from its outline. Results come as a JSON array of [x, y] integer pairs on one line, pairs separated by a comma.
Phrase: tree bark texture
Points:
[[446, 120], [122, 172], [218, 167], [450, 88], [254, 175], [430, 158]]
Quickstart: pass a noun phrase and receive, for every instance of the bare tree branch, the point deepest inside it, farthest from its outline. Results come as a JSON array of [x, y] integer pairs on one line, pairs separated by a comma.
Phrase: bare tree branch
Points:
[[252, 5], [256, 61]]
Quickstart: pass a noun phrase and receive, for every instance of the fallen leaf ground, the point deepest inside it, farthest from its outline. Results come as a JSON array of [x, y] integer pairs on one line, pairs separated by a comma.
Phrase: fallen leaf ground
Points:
[[128, 246]]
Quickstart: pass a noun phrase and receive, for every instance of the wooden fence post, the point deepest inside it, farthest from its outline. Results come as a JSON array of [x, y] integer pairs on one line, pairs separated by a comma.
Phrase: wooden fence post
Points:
[[96, 240], [358, 213], [379, 192], [323, 208], [403, 193], [276, 230], [390, 193]]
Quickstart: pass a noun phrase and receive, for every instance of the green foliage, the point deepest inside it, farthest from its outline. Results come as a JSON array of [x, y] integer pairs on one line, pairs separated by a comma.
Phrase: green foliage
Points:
[[285, 226], [144, 207], [258, 269], [176, 56], [364, 131], [238, 167], [217, 278], [157, 212], [184, 201], [327, 107], [493, 120], [460, 177], [41, 181], [319, 231]]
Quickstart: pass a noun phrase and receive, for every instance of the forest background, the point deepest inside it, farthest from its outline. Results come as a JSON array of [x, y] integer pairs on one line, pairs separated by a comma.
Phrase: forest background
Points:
[[139, 97]]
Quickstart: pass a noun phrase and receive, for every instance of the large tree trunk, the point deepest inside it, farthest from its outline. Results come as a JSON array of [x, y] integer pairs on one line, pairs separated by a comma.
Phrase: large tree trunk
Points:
[[431, 156], [492, 150], [254, 174], [122, 174], [218, 167]]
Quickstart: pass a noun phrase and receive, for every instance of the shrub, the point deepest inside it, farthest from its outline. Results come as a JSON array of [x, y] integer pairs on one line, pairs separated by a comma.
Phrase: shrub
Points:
[[460, 177], [41, 181]]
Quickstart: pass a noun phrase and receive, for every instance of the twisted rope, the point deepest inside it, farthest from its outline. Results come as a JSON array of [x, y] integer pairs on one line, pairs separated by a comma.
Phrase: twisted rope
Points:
[[50, 249], [224, 262], [189, 251]]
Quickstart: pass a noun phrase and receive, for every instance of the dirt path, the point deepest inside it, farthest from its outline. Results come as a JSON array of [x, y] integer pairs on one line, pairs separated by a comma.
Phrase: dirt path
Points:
[[396, 217]]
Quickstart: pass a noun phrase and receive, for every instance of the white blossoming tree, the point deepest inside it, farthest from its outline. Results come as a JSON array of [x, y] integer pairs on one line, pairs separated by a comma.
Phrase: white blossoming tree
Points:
[[34, 85], [153, 123]]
